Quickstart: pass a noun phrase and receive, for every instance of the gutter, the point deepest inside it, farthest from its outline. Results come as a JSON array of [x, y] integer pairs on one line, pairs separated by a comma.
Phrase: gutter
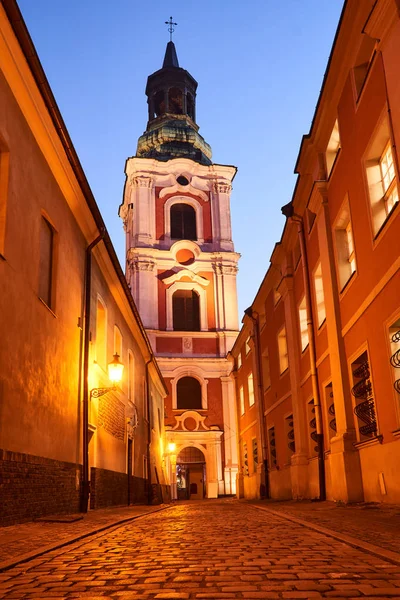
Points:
[[85, 483]]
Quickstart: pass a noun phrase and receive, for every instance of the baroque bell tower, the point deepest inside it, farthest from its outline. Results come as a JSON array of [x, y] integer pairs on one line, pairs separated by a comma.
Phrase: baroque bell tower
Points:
[[181, 267]]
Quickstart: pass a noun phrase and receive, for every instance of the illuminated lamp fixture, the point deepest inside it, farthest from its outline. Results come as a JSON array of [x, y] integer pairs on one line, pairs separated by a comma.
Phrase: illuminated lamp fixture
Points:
[[115, 371], [171, 447]]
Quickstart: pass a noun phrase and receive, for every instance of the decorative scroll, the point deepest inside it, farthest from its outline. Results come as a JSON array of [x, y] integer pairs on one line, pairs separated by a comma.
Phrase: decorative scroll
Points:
[[362, 390], [331, 411], [395, 359]]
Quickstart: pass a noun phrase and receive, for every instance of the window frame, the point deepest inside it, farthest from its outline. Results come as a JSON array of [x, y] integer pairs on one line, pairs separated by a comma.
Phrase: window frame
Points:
[[50, 301], [302, 312], [317, 274], [285, 355], [250, 390]]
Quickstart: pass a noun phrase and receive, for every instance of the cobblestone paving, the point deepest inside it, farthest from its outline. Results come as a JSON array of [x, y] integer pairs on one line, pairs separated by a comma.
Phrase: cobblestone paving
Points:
[[16, 540], [213, 549], [377, 524]]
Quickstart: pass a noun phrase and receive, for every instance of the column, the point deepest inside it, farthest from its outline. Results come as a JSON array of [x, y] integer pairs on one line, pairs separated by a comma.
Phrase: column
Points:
[[299, 460], [222, 192], [344, 458], [230, 434]]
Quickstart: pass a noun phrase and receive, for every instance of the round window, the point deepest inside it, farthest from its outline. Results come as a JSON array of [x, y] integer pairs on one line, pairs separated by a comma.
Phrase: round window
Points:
[[182, 180]]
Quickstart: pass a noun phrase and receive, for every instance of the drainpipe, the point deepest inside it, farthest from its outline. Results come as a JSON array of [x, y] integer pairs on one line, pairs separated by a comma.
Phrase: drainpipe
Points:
[[86, 340], [288, 211], [260, 404], [148, 400]]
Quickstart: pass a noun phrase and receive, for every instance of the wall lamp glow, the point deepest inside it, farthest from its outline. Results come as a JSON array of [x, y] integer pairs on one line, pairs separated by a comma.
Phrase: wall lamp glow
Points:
[[115, 371]]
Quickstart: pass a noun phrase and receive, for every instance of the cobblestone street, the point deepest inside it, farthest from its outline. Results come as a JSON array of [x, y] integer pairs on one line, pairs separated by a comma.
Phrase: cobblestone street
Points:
[[212, 549]]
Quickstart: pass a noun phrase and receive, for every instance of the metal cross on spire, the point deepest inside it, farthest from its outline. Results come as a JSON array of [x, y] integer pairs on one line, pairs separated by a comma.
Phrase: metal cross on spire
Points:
[[171, 27]]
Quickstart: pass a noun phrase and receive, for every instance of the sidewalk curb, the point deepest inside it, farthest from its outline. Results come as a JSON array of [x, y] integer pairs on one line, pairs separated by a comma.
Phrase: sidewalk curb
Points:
[[9, 564], [389, 555]]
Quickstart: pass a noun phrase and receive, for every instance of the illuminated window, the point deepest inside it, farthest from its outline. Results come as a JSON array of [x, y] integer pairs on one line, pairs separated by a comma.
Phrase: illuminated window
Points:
[[265, 370], [46, 259], [333, 148], [250, 387], [277, 297], [239, 360], [241, 398], [381, 176], [346, 257], [101, 334], [131, 375], [303, 324], [283, 351], [247, 345], [4, 171], [391, 196], [319, 295]]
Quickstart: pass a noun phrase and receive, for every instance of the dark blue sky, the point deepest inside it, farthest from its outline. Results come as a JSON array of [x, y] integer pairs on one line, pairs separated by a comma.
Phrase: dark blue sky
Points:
[[259, 66]]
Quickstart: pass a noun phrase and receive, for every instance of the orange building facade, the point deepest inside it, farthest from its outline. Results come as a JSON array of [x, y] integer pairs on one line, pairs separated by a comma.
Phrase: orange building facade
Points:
[[69, 439], [316, 364]]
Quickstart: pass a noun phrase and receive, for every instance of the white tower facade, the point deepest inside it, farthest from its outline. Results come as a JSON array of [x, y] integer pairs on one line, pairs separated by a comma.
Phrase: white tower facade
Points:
[[181, 267]]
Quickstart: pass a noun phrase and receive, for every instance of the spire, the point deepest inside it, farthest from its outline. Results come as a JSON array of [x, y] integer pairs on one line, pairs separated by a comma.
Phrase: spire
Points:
[[170, 58]]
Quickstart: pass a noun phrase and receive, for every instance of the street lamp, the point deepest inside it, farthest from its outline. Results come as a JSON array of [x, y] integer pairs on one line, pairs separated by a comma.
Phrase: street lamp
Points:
[[115, 371]]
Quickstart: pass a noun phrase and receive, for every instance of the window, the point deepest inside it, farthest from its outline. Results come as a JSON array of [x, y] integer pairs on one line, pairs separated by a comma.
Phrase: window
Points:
[[303, 324], [183, 222], [188, 392], [290, 435], [101, 334], [332, 149], [346, 257], [245, 460], [254, 447], [265, 370], [190, 105], [241, 398], [319, 295], [239, 360], [46, 262], [362, 392], [312, 428], [247, 345], [363, 62], [394, 340], [272, 447], [250, 387], [117, 341], [186, 310], [131, 375], [4, 169], [282, 350], [175, 100], [329, 403], [381, 176], [277, 297]]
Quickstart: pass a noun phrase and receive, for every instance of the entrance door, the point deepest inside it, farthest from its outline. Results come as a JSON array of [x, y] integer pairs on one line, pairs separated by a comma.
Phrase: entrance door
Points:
[[196, 482]]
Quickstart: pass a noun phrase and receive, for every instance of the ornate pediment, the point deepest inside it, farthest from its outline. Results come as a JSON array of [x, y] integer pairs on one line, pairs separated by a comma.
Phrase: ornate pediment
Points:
[[191, 420], [179, 274]]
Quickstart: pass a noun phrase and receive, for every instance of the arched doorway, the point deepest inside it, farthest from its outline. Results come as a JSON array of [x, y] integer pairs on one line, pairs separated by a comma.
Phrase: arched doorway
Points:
[[191, 474]]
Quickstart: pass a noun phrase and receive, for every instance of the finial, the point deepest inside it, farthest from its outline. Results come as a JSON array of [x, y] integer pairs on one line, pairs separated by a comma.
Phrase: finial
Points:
[[171, 27]]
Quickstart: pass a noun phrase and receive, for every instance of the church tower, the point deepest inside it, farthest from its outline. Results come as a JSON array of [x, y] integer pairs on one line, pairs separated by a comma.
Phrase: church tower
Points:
[[181, 267]]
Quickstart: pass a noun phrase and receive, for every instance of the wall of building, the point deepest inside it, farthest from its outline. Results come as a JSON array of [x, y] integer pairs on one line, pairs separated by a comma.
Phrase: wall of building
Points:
[[360, 304]]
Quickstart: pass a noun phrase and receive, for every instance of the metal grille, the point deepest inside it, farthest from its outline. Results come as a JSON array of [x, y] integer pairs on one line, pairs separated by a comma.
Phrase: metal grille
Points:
[[190, 455]]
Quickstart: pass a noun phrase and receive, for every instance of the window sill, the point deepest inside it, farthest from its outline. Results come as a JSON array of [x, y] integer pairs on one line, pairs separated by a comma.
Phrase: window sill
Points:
[[396, 433], [371, 442], [47, 306], [382, 229]]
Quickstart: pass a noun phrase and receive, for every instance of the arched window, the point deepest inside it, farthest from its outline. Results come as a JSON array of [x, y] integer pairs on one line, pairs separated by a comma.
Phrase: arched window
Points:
[[159, 103], [188, 393], [186, 310], [175, 101], [183, 222], [190, 106]]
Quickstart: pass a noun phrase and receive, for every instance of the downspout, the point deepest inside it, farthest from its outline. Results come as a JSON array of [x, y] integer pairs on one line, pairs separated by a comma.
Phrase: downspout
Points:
[[260, 404], [86, 340], [148, 397], [311, 346]]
